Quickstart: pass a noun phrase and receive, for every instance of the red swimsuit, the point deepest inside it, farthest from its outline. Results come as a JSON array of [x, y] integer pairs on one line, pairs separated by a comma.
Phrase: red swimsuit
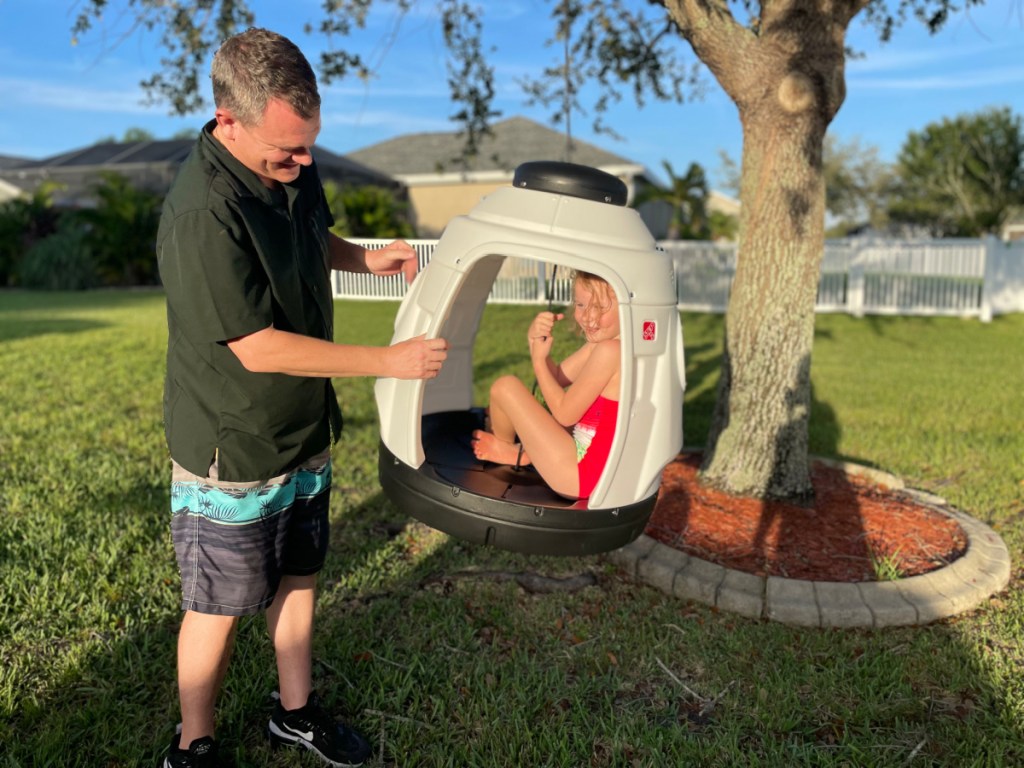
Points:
[[593, 434]]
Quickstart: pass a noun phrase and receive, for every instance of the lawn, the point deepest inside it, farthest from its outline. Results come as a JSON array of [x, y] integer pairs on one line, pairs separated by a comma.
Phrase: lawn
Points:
[[422, 643]]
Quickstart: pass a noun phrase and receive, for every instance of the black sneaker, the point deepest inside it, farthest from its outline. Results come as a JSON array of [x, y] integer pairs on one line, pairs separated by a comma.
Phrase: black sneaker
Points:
[[201, 753], [311, 727]]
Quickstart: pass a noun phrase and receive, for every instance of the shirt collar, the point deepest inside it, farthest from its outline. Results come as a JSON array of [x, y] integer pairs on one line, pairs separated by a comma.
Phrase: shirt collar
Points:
[[220, 155]]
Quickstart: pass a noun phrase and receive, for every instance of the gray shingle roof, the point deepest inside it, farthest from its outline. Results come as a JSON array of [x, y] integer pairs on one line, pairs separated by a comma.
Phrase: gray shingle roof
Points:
[[113, 154], [8, 161], [514, 141], [153, 165]]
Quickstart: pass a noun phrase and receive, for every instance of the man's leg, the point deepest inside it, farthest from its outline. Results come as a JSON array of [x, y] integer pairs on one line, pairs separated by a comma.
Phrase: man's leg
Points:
[[299, 719], [290, 625], [204, 650]]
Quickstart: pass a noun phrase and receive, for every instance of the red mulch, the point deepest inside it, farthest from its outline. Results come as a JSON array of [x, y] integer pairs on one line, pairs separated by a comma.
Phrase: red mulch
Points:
[[852, 522]]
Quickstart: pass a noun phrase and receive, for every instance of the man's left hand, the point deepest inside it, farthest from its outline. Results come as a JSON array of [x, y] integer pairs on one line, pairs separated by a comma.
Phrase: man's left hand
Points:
[[397, 256]]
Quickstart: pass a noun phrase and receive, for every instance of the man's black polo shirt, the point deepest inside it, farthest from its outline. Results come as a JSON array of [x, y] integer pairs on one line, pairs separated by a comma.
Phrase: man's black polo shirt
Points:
[[236, 257]]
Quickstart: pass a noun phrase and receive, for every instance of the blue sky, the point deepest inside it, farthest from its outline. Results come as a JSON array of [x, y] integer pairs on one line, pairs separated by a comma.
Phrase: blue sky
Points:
[[55, 97]]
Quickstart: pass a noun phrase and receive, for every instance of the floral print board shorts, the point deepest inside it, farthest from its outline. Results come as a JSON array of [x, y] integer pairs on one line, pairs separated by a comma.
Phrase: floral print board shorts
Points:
[[234, 541]]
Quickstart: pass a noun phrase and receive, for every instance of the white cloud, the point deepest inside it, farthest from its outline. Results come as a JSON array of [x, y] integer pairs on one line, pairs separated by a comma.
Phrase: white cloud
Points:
[[403, 121], [960, 80], [377, 90], [37, 93], [901, 60]]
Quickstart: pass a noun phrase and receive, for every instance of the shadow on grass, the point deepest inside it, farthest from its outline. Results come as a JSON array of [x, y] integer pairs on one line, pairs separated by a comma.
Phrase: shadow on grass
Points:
[[440, 663], [848, 682], [446, 662], [104, 705], [26, 314], [13, 328]]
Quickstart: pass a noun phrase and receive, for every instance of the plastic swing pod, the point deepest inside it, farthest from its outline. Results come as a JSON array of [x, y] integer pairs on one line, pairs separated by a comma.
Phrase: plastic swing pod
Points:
[[574, 217]]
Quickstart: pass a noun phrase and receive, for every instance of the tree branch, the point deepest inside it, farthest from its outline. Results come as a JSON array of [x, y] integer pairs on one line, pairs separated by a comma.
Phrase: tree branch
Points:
[[722, 43]]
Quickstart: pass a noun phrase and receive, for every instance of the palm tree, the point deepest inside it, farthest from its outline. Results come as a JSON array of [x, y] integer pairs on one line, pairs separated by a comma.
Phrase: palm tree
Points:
[[687, 196]]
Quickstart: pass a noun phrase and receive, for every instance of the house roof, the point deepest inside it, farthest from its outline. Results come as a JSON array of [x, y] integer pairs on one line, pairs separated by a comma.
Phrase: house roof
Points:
[[112, 154], [9, 161], [152, 164], [513, 141]]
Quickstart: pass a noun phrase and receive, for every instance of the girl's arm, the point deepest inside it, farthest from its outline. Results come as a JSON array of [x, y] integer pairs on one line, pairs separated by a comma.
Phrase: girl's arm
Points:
[[540, 337], [569, 405]]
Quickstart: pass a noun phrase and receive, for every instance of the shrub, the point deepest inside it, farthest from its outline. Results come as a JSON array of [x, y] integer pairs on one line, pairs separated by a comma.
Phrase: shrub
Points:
[[367, 211], [121, 231], [23, 222], [60, 262]]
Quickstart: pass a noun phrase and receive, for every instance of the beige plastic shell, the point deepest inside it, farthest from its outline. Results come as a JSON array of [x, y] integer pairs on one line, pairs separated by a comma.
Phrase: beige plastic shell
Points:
[[448, 297]]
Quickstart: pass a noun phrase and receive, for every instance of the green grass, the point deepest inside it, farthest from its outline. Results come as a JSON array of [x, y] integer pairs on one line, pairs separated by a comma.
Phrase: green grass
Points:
[[445, 669]]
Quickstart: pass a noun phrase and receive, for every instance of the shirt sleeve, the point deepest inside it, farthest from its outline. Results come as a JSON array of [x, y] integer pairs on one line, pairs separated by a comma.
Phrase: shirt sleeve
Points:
[[216, 286]]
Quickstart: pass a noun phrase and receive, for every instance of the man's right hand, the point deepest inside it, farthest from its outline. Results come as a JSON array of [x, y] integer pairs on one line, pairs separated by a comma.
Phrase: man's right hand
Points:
[[418, 357]]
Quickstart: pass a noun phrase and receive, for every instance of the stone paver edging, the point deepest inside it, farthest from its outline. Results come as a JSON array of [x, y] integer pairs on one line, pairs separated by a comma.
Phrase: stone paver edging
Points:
[[983, 570]]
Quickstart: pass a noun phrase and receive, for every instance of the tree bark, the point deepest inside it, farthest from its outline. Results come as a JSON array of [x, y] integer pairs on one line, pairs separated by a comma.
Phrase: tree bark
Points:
[[757, 445], [785, 74]]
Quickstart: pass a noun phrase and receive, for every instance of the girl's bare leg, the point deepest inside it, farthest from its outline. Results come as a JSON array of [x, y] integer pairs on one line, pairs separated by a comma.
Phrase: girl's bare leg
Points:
[[497, 442], [488, 447], [501, 422], [547, 444]]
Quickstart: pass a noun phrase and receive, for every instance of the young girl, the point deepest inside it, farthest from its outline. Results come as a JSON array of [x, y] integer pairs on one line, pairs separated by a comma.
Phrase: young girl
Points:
[[568, 445]]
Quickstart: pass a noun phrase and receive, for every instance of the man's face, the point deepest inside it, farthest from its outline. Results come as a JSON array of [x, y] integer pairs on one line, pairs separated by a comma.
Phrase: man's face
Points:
[[277, 148]]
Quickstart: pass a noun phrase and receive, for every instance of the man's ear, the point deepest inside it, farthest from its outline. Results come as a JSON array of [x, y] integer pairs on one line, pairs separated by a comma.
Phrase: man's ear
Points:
[[227, 123]]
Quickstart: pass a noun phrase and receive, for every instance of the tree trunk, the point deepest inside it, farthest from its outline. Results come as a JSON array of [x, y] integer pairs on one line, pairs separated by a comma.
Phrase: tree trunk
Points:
[[758, 442]]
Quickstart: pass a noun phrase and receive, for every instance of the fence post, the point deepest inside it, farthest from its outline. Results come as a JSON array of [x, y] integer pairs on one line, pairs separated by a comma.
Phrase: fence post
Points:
[[855, 284], [988, 280]]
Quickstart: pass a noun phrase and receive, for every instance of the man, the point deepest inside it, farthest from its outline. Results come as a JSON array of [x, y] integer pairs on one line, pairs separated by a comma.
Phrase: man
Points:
[[245, 257]]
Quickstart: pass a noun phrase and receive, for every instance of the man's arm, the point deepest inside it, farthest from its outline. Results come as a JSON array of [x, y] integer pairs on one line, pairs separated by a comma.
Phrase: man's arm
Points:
[[274, 351], [394, 258]]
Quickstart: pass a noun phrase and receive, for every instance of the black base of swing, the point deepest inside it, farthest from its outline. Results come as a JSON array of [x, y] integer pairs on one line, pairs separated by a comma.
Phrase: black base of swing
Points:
[[499, 505]]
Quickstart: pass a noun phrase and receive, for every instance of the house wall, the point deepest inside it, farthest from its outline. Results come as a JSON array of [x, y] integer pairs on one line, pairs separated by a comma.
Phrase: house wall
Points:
[[434, 205], [8, 191]]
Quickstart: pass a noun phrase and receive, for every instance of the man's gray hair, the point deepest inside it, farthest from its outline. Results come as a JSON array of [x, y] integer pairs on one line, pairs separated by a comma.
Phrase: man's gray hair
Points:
[[256, 66]]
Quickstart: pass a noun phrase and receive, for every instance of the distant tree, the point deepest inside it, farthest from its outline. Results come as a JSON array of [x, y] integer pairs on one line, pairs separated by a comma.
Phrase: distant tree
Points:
[[367, 211], [858, 184], [130, 135], [24, 221], [137, 134], [781, 62], [120, 231], [687, 197], [962, 176], [729, 172], [723, 226]]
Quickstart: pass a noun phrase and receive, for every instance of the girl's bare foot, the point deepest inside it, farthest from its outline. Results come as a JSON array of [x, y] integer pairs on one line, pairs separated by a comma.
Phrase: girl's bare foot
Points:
[[488, 447]]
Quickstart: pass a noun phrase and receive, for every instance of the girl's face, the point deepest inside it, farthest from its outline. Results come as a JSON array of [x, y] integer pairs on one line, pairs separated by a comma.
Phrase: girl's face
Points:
[[597, 311]]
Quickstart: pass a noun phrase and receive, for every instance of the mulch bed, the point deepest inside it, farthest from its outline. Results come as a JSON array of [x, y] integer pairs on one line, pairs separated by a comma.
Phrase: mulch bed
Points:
[[855, 530]]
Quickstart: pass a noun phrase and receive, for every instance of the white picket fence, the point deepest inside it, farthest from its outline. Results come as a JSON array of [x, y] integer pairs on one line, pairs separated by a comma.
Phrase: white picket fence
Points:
[[963, 278]]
